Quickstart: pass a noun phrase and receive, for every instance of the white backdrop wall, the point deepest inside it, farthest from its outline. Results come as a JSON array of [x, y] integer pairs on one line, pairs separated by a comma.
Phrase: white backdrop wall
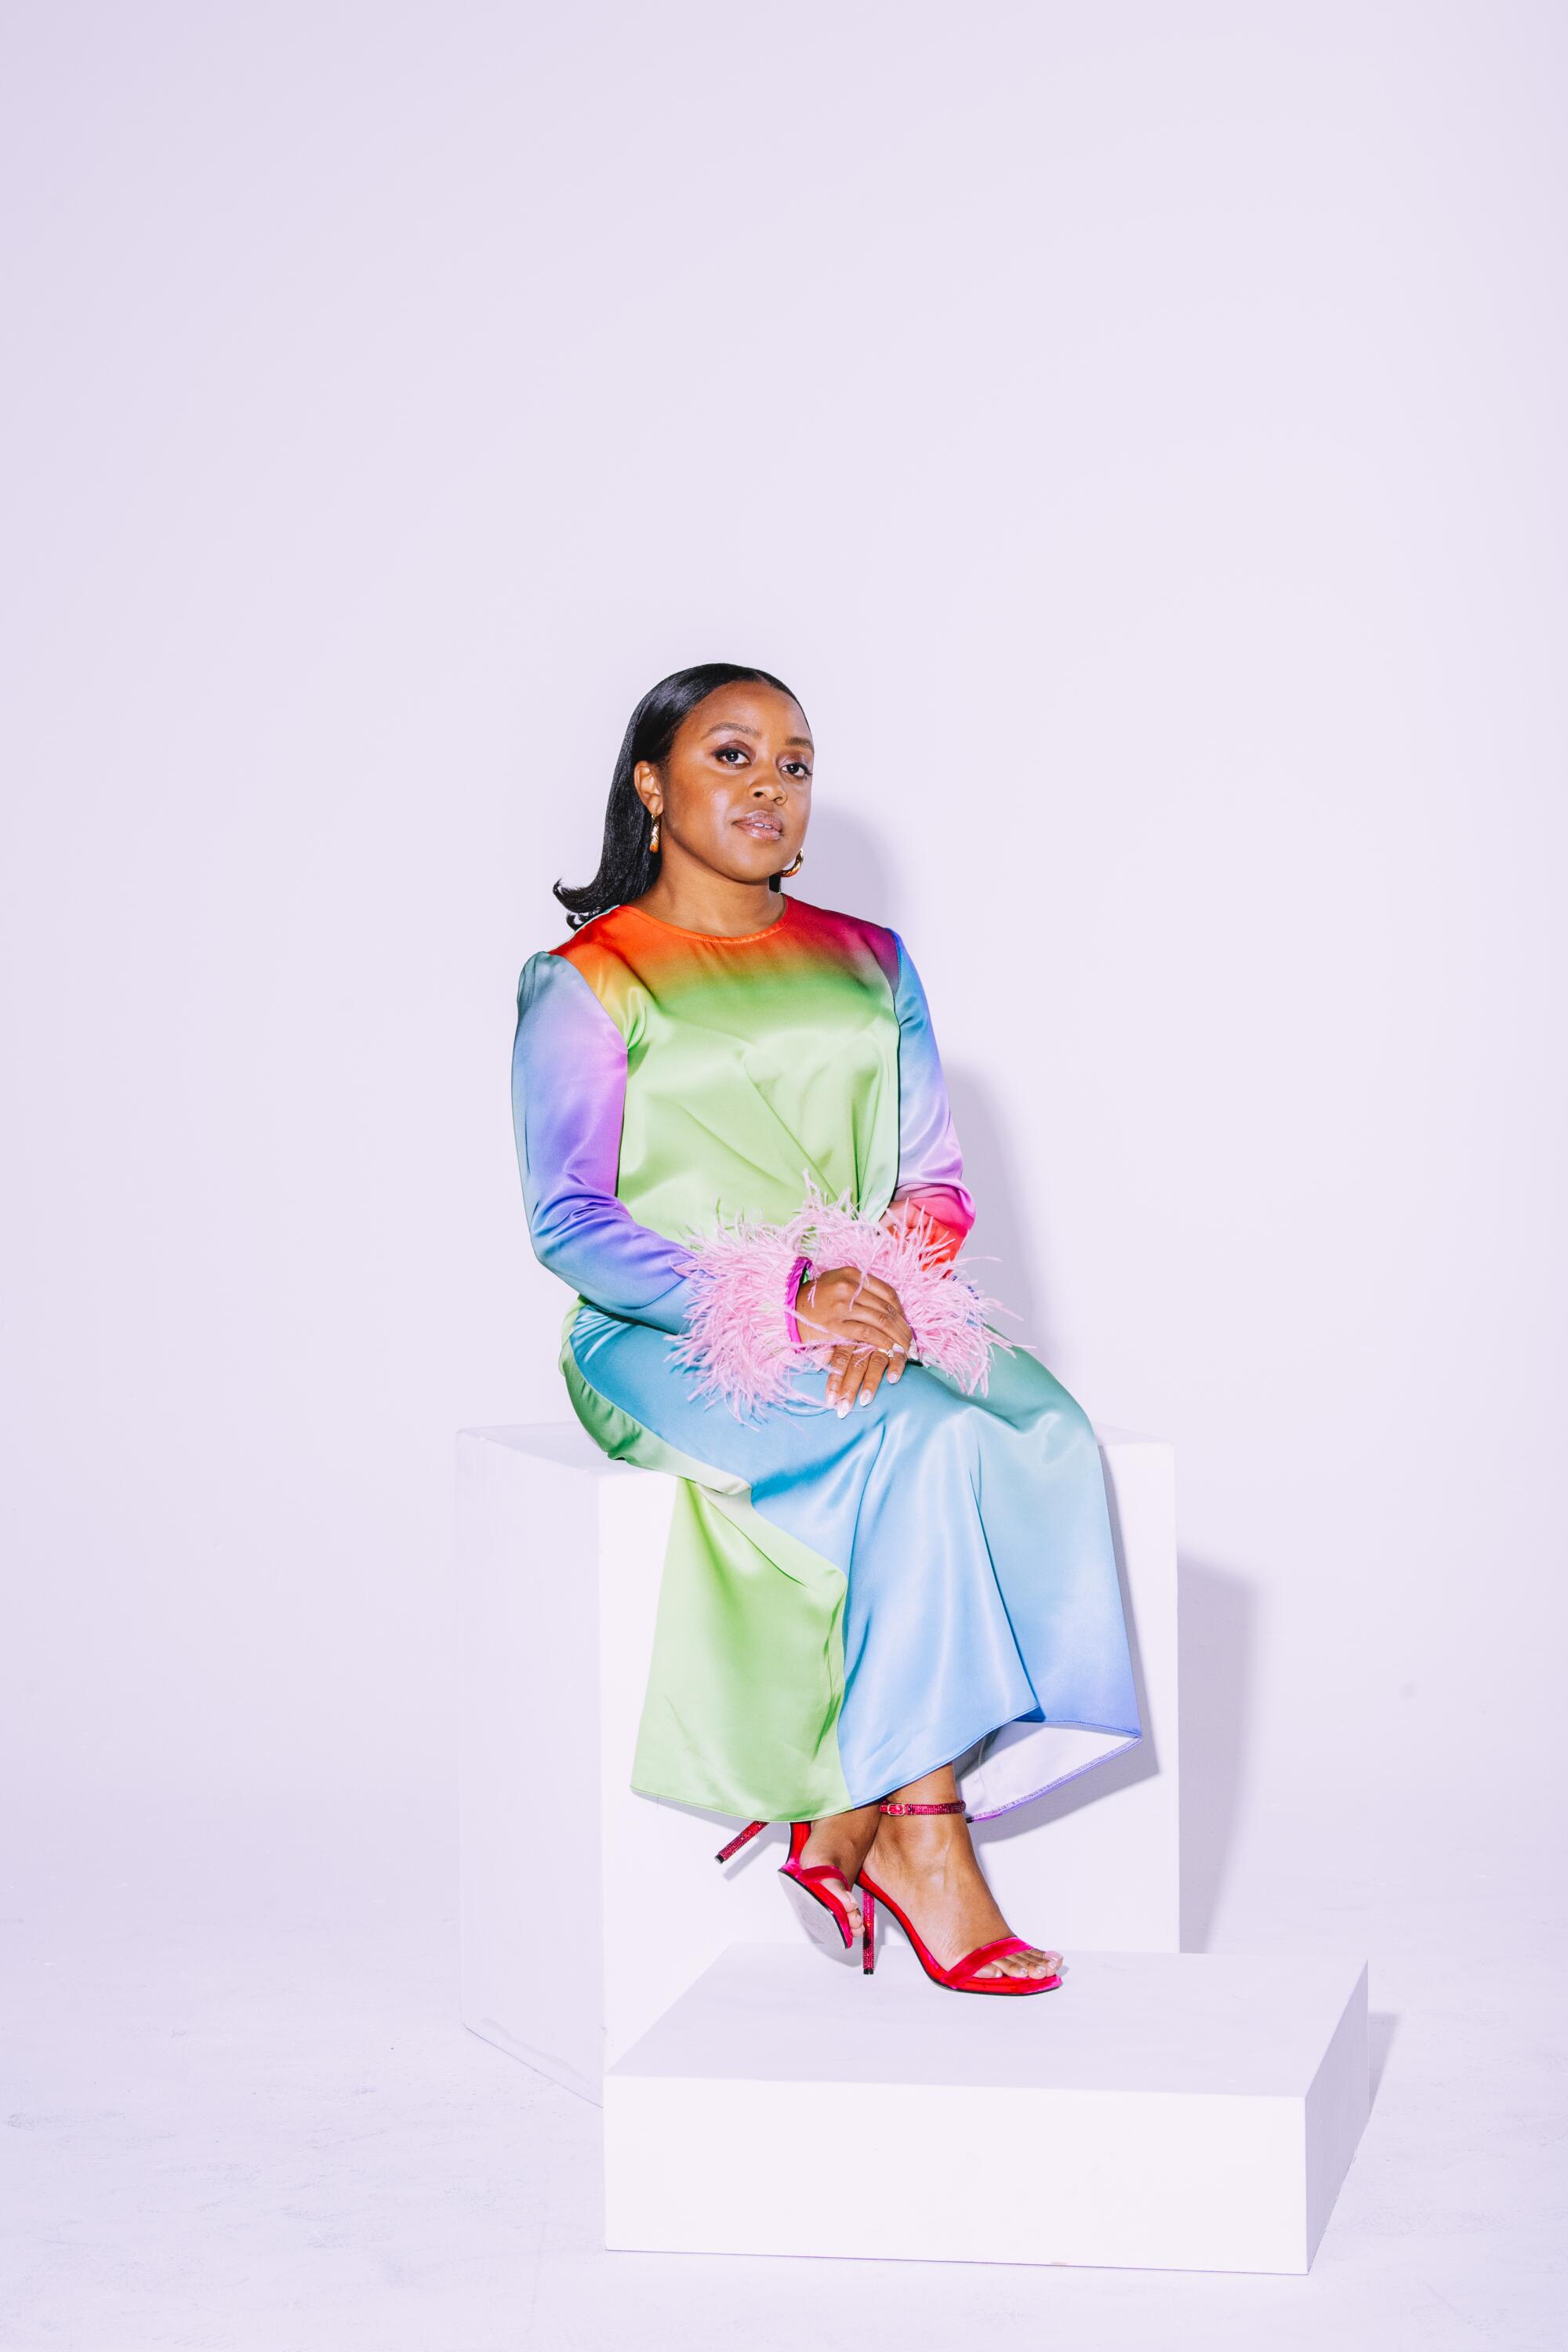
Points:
[[1136, 433]]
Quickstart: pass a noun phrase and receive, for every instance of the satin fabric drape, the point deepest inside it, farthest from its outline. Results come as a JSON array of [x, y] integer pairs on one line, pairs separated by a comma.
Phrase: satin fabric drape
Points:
[[847, 1603]]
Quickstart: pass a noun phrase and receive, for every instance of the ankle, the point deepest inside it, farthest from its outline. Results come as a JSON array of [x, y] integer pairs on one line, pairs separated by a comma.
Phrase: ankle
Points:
[[919, 1844]]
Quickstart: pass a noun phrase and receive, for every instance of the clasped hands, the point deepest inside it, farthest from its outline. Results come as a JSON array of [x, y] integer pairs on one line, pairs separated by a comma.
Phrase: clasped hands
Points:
[[861, 1314]]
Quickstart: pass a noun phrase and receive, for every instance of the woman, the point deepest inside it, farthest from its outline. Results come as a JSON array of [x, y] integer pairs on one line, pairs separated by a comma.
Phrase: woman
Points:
[[891, 1560]]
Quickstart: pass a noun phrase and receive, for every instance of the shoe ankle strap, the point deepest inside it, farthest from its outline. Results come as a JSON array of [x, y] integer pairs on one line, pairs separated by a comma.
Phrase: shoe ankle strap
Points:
[[956, 1806]]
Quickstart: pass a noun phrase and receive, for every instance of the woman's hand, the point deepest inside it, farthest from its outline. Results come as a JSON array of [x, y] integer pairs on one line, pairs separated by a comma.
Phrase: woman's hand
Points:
[[862, 1314]]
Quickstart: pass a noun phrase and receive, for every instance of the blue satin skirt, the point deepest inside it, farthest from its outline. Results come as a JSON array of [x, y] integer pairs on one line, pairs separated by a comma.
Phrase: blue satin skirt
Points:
[[973, 1608]]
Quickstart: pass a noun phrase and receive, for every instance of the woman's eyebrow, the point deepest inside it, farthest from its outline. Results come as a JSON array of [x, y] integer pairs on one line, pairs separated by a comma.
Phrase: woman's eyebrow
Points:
[[737, 727]]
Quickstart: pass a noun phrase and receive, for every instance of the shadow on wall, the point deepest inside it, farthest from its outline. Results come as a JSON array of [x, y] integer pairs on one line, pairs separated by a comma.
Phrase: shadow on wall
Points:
[[846, 869], [1137, 1763], [1217, 1655], [1218, 1635], [1004, 1254]]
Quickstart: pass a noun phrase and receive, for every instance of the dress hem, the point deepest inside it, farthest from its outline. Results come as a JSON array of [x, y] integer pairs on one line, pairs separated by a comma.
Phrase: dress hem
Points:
[[990, 1813], [1093, 1764]]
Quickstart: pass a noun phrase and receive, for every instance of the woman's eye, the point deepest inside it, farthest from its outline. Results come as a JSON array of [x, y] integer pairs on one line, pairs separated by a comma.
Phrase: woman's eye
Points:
[[800, 768], [725, 749]]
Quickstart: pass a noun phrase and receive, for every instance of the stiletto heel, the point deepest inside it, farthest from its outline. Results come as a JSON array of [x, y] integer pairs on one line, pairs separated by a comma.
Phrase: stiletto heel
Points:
[[963, 1976], [745, 1837], [806, 1885], [868, 1929]]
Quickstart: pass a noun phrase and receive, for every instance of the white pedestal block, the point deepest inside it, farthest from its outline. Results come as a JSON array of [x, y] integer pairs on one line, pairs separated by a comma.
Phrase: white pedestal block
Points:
[[560, 1553], [1156, 2111]]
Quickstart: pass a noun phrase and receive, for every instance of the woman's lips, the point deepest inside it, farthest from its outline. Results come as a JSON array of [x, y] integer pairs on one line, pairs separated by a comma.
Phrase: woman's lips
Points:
[[767, 828]]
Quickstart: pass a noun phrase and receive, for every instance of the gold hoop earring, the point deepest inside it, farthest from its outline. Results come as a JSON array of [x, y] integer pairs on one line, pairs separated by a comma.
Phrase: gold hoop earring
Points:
[[799, 861]]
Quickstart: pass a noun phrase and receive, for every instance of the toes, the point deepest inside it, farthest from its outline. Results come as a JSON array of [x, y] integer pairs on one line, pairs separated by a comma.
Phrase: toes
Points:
[[839, 1885], [846, 1895], [1027, 1964]]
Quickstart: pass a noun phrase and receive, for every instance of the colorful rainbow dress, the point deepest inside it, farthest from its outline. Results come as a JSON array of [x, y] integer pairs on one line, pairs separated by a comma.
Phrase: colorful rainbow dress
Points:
[[847, 1602]]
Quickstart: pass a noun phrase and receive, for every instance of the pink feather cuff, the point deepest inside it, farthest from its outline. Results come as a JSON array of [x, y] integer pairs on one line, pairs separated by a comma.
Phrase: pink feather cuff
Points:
[[743, 1338]]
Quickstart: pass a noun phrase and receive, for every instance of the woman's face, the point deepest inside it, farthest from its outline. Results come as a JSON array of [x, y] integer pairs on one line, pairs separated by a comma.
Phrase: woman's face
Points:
[[734, 789]]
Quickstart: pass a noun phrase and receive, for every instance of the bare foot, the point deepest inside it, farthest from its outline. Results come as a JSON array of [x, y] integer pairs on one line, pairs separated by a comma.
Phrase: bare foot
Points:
[[927, 1863], [842, 1842]]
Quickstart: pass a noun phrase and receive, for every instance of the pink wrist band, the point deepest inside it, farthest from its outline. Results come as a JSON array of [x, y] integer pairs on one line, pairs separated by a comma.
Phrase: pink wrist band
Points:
[[801, 1267]]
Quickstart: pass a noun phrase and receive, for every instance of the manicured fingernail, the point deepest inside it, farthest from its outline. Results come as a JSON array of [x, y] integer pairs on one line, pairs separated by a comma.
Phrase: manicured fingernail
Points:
[[864, 1397], [843, 1407]]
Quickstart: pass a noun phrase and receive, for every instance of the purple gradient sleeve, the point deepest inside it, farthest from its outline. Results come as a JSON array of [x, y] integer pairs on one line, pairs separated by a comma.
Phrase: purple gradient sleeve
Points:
[[568, 1090], [931, 1166]]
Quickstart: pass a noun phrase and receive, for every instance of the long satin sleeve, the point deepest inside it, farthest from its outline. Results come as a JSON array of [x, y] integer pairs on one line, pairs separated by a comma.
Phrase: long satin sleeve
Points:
[[931, 1165], [568, 1092]]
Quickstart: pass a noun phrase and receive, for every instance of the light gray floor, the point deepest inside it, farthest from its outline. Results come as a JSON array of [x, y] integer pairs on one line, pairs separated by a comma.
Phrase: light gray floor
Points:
[[240, 2114]]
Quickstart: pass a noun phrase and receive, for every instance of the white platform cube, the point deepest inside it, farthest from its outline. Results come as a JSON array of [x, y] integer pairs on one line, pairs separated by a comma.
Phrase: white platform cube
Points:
[[1157, 2111], [559, 1554]]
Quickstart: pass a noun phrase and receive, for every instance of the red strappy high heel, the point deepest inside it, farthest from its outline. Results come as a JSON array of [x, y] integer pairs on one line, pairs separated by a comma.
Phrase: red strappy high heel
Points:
[[962, 1976], [806, 1885]]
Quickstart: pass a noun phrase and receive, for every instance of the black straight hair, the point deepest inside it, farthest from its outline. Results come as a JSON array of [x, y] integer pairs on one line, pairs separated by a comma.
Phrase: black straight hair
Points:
[[627, 864]]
